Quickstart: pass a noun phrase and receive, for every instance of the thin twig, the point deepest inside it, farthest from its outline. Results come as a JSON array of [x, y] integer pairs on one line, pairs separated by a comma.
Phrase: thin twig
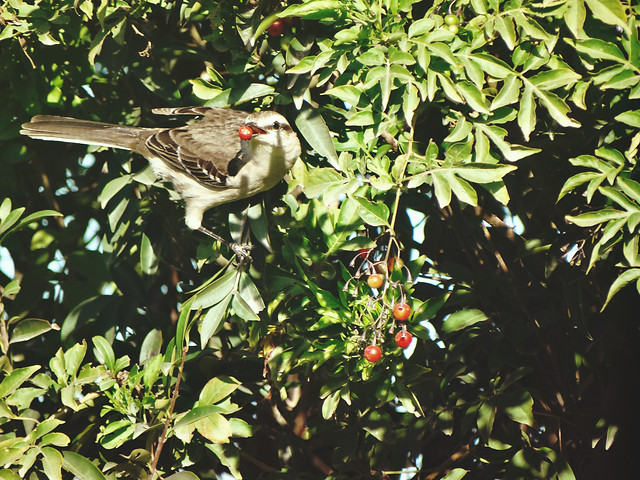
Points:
[[167, 422]]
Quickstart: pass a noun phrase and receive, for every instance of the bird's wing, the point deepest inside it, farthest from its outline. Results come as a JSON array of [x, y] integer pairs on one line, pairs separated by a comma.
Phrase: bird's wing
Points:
[[209, 150]]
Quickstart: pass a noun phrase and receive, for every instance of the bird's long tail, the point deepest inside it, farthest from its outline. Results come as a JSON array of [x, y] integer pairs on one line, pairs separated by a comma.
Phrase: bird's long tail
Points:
[[66, 129]]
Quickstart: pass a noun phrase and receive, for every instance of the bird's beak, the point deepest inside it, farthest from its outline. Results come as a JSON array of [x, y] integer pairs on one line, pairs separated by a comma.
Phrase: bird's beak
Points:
[[255, 129]]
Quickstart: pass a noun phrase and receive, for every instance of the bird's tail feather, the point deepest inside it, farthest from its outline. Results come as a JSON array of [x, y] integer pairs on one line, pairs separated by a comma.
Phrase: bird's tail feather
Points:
[[66, 129]]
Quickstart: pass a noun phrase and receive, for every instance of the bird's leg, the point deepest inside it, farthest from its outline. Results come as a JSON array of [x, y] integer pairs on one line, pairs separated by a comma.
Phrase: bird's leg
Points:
[[242, 251]]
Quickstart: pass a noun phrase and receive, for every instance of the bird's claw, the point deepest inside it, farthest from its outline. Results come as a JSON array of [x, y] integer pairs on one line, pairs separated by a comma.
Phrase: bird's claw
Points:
[[242, 251]]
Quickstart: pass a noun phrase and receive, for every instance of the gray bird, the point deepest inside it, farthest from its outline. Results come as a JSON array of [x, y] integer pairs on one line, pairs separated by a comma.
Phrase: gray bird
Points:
[[207, 161]]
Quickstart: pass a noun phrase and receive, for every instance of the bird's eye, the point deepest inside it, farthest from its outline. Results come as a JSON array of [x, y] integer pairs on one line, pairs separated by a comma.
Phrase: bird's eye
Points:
[[276, 125]]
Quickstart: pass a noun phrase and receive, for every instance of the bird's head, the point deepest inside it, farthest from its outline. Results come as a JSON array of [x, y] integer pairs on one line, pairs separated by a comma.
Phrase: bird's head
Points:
[[272, 129]]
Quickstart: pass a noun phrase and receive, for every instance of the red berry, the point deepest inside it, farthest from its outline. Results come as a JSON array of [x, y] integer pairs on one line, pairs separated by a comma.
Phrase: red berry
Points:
[[363, 252], [401, 311], [245, 132], [394, 261], [375, 280], [372, 353], [276, 28], [403, 338]]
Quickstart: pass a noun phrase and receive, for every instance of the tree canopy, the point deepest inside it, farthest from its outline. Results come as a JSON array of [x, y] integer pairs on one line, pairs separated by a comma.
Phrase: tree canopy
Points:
[[467, 201]]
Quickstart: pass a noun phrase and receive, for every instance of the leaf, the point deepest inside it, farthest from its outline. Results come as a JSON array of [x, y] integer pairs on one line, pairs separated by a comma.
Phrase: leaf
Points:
[[631, 118], [347, 93], [556, 78], [330, 404], [346, 222], [441, 189], [198, 413], [148, 258], [151, 345], [217, 389], [609, 11], [12, 382], [212, 320], [518, 406], [463, 191], [215, 292], [508, 94], [79, 466], [623, 279], [591, 219], [238, 95], [527, 113], [483, 172], [104, 352], [455, 474], [214, 428], [556, 107], [374, 213], [29, 328], [574, 16], [463, 319], [112, 188], [492, 66], [319, 180], [473, 96], [599, 49], [315, 131], [505, 27]]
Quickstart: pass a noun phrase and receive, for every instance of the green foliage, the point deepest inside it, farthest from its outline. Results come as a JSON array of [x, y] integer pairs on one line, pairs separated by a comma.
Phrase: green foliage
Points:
[[474, 153]]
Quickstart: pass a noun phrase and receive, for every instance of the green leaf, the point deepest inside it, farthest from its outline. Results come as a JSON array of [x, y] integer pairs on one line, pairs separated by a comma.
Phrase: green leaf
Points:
[[347, 93], [473, 96], [463, 191], [314, 130], [29, 328], [12, 382], [492, 66], [441, 188], [599, 49], [556, 78], [198, 413], [215, 292], [371, 58], [148, 258], [508, 94], [518, 406], [151, 345], [631, 118], [463, 319], [623, 279], [330, 404], [238, 95], [455, 474], [374, 213], [12, 288], [212, 320], [112, 188], [609, 11], [483, 172], [505, 27], [217, 389], [214, 428], [590, 219], [574, 16], [79, 466], [104, 352], [556, 107], [527, 113]]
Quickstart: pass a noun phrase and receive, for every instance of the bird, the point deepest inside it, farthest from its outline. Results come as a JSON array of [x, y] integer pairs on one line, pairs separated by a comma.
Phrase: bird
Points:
[[207, 161]]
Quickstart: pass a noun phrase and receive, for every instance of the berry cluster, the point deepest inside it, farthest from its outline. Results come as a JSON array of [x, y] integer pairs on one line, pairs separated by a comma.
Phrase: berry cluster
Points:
[[393, 299]]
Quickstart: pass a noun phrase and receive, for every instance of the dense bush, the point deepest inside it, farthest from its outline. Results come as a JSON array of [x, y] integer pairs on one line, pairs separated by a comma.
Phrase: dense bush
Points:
[[479, 155]]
